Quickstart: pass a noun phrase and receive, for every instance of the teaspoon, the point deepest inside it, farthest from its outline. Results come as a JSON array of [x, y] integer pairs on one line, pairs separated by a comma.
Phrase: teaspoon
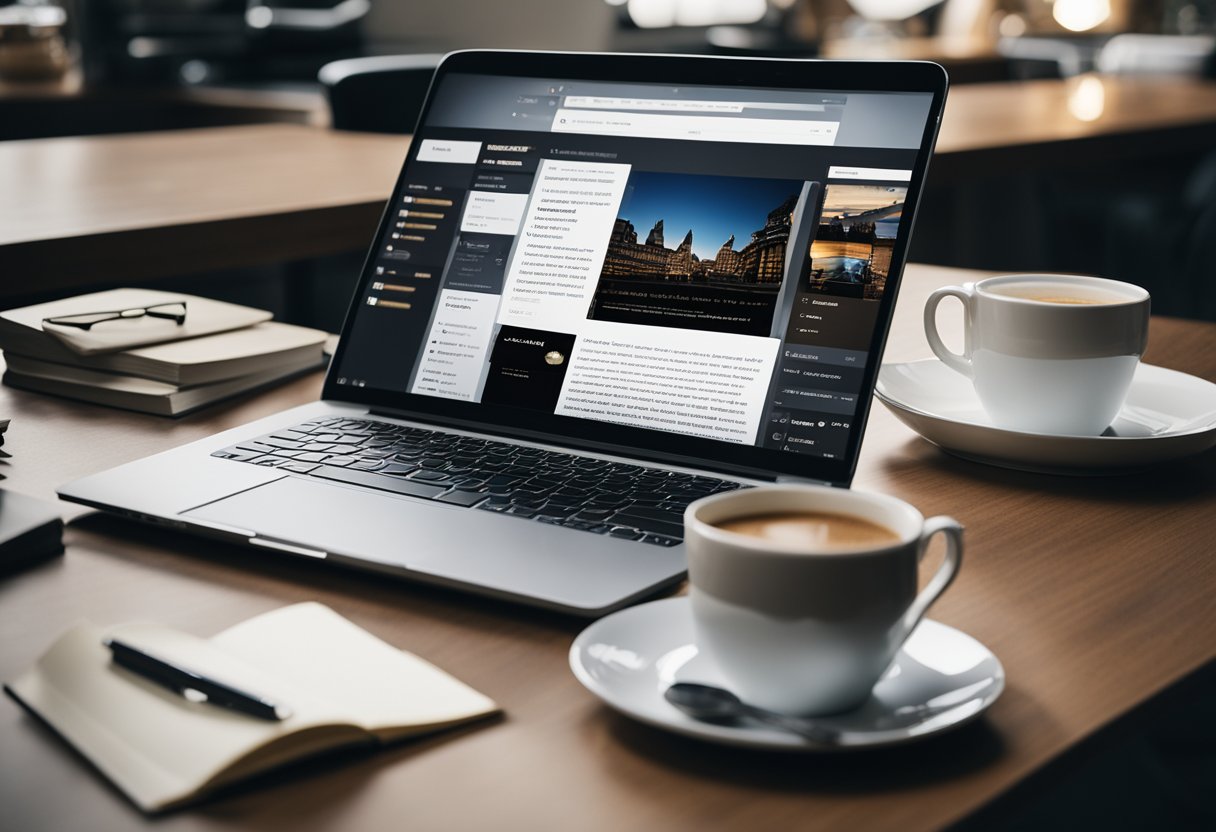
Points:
[[711, 704]]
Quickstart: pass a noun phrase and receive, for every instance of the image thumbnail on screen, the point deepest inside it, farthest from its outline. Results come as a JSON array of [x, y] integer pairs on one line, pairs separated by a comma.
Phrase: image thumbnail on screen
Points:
[[851, 252], [697, 252]]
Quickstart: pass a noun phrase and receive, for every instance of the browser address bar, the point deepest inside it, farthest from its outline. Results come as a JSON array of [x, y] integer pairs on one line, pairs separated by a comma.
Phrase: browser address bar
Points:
[[682, 105], [696, 128]]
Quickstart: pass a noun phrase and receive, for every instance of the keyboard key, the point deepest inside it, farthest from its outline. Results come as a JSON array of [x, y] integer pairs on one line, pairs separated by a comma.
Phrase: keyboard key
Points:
[[648, 524], [287, 444], [237, 456], [393, 484], [366, 465], [461, 498], [594, 515], [430, 476], [298, 467], [642, 509], [527, 501], [625, 533]]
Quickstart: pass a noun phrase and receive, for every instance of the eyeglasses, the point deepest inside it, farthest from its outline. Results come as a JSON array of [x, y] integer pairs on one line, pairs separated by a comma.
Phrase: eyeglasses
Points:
[[175, 312]]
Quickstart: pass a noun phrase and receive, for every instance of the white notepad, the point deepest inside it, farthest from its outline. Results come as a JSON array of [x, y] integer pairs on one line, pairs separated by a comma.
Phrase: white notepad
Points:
[[343, 685]]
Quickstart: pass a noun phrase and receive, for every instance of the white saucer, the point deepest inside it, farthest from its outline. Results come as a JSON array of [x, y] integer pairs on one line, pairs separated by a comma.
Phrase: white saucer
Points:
[[1168, 415], [941, 679]]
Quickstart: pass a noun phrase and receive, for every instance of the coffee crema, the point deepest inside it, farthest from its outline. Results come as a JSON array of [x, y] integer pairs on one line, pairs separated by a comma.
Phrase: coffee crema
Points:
[[1047, 295], [1063, 299], [812, 530]]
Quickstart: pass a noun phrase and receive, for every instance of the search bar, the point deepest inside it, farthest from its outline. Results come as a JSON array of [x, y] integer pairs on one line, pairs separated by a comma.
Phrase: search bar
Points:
[[696, 128], [875, 174], [599, 102], [595, 102]]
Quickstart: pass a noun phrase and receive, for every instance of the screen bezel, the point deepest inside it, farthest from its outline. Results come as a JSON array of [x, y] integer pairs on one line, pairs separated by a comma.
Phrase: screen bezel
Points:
[[643, 443]]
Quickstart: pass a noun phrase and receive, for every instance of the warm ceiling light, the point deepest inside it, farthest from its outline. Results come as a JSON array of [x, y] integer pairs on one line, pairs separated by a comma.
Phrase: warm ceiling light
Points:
[[890, 9], [655, 14], [1080, 15], [1087, 98]]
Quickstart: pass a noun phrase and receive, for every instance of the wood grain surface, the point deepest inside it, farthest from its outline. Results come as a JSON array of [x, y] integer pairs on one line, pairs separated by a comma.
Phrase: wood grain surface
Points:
[[85, 210], [1075, 123], [1096, 593]]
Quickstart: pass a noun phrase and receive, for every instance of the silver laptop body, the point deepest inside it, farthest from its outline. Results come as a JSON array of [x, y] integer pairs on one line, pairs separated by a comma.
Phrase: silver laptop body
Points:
[[614, 277]]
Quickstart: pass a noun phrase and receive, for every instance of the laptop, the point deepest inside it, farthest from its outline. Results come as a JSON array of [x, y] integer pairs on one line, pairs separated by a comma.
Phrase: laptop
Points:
[[604, 286]]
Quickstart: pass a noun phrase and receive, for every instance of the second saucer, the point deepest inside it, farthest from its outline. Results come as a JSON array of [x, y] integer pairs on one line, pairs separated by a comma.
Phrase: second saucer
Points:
[[941, 679]]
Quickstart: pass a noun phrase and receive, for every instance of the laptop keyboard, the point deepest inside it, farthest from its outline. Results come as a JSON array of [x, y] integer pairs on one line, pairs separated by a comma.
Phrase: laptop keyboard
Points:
[[593, 495]]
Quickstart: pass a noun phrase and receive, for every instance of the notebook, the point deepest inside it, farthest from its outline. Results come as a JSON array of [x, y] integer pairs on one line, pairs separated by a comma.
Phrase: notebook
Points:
[[603, 287], [345, 687]]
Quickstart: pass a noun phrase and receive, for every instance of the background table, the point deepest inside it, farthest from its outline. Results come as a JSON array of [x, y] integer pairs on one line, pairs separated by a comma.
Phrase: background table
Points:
[[1095, 593], [96, 210], [89, 210]]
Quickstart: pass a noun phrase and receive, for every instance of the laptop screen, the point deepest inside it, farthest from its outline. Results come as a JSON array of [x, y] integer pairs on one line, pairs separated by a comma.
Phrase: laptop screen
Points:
[[706, 262]]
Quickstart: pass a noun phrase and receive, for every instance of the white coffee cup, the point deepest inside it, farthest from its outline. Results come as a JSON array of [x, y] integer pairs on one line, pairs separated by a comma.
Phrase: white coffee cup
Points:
[[1047, 353], [809, 629]]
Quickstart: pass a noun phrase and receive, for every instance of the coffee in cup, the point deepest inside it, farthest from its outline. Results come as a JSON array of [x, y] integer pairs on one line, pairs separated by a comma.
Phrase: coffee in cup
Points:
[[1047, 353], [802, 595], [812, 529]]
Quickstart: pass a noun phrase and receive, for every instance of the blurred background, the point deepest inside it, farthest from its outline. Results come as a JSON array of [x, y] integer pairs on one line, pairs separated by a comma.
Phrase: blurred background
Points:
[[1143, 210]]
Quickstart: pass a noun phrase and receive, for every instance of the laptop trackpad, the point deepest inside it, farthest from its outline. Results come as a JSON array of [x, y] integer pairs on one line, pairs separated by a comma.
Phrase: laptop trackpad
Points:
[[337, 519]]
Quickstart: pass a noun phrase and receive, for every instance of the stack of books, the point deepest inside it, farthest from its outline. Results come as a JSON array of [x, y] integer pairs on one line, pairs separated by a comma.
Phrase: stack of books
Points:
[[157, 352]]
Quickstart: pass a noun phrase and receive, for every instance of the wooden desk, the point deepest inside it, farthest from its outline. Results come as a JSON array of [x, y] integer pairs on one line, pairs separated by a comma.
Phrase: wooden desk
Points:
[[1095, 593]]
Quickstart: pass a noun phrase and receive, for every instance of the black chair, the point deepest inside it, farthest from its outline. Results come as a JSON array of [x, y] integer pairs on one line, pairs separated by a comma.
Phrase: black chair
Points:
[[382, 94]]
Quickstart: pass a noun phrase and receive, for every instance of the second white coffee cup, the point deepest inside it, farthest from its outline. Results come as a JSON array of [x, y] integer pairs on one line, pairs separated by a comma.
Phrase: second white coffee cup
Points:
[[1047, 353], [809, 629]]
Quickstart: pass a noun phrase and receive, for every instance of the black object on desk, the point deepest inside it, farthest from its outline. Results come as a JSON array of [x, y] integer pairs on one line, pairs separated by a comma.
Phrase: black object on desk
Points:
[[30, 530], [192, 685]]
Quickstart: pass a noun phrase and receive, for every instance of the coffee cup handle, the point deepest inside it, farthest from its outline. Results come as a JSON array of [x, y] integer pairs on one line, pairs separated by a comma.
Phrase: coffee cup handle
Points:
[[956, 362], [953, 530]]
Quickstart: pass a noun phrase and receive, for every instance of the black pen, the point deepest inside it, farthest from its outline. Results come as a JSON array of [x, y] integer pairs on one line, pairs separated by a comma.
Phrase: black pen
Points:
[[192, 685]]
